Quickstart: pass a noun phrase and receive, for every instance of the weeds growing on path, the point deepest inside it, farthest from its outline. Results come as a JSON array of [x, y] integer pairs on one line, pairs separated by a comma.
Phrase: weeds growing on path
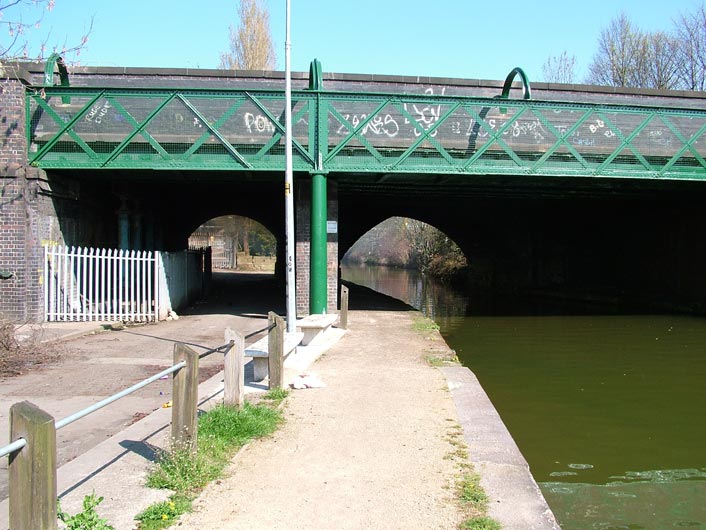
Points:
[[221, 433], [469, 493]]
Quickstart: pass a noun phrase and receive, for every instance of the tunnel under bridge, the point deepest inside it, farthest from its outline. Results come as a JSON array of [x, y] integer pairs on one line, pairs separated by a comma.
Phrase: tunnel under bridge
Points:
[[554, 189]]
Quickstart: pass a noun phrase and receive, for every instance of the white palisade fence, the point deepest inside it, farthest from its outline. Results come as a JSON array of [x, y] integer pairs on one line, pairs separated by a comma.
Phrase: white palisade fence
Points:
[[87, 284]]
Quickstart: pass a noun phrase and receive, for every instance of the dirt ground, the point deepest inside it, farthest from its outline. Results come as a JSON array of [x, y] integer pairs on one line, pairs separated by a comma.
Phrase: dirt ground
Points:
[[65, 377]]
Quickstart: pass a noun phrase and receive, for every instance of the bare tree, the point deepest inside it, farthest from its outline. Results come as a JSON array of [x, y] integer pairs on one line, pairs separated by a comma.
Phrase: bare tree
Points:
[[559, 69], [621, 56], [250, 42], [630, 57], [243, 234], [690, 29], [661, 68], [22, 19]]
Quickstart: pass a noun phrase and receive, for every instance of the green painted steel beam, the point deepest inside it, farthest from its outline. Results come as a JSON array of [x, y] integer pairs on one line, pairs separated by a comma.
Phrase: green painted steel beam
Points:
[[318, 279], [337, 132]]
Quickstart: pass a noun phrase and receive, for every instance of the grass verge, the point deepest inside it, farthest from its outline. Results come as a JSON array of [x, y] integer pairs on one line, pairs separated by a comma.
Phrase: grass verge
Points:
[[222, 432]]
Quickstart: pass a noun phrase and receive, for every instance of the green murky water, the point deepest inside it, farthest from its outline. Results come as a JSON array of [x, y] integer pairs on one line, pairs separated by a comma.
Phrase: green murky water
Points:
[[609, 411]]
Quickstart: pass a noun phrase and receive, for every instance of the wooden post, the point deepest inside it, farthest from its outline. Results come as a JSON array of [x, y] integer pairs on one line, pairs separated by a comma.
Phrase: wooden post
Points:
[[343, 316], [32, 469], [234, 370], [185, 387], [275, 351]]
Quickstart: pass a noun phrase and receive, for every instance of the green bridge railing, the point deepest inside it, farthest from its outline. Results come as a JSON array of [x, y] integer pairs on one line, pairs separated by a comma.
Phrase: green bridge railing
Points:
[[200, 129]]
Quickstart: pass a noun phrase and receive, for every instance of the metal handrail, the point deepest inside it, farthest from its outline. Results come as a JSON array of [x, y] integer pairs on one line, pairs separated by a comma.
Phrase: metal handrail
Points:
[[220, 349], [225, 348], [21, 442], [268, 329], [14, 446], [107, 401]]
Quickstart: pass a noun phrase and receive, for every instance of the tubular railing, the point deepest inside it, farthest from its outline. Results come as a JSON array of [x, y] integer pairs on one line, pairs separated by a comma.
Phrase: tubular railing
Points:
[[32, 454], [107, 401]]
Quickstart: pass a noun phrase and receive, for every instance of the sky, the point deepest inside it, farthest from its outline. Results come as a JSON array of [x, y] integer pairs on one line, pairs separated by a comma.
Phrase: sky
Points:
[[440, 38]]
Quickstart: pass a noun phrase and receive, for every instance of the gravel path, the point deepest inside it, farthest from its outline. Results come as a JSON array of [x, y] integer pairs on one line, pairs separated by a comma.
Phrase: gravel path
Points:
[[370, 450]]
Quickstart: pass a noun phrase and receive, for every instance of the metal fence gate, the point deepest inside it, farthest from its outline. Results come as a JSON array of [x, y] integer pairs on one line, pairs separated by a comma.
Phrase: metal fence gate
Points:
[[88, 284], [110, 285]]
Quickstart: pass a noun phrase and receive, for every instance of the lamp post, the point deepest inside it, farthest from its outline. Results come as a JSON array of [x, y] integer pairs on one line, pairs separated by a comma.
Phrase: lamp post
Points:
[[289, 182]]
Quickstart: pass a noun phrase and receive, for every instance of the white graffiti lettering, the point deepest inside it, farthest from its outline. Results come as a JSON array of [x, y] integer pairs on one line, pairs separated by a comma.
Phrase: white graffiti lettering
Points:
[[258, 123], [532, 128], [426, 116], [658, 138], [98, 112], [378, 125]]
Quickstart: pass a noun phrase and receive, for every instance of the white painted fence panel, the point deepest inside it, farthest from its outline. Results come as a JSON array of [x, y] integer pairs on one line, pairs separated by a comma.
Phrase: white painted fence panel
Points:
[[86, 284]]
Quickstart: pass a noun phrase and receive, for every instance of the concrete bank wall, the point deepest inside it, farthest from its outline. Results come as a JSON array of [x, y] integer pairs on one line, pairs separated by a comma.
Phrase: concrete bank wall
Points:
[[515, 498]]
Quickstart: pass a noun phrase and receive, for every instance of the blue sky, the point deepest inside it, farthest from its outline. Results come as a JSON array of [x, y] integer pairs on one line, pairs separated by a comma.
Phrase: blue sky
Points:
[[447, 38]]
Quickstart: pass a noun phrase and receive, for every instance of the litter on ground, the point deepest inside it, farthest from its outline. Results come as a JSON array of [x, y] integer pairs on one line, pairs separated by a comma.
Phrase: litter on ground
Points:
[[306, 381]]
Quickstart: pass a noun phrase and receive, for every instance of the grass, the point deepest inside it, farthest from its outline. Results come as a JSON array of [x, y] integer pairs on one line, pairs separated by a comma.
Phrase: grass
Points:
[[425, 324], [474, 501], [469, 492], [163, 514], [88, 518], [435, 361], [276, 395], [480, 523], [222, 431]]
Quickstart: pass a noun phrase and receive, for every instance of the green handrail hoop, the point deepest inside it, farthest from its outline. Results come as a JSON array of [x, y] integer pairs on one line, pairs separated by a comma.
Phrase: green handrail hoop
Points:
[[57, 61], [526, 91], [316, 78]]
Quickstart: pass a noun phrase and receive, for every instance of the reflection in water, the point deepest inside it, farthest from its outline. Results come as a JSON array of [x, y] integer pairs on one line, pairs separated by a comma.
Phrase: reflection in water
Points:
[[608, 410], [410, 287]]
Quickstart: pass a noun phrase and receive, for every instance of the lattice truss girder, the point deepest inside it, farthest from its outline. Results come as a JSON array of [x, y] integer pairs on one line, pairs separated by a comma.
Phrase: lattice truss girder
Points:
[[172, 129], [515, 137], [362, 133]]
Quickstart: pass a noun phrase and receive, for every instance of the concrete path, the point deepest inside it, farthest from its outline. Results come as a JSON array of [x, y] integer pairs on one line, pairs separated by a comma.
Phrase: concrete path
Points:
[[371, 450]]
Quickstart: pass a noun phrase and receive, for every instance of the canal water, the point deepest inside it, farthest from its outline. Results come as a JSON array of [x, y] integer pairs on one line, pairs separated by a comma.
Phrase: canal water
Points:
[[608, 410]]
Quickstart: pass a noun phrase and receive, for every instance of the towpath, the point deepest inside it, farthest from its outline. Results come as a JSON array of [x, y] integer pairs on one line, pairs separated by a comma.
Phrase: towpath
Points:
[[379, 447]]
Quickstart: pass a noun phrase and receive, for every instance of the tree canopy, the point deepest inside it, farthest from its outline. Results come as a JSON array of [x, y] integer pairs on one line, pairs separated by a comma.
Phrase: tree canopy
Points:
[[250, 41], [627, 56]]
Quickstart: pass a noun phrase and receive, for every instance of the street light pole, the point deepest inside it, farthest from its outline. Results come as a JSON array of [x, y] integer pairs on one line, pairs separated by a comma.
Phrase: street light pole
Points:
[[289, 182]]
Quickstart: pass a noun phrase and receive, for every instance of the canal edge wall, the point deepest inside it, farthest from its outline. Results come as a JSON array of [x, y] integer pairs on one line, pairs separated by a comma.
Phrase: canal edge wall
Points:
[[515, 499]]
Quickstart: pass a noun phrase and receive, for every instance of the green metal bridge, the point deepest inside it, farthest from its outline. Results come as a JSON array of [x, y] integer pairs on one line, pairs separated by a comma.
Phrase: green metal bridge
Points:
[[359, 133]]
